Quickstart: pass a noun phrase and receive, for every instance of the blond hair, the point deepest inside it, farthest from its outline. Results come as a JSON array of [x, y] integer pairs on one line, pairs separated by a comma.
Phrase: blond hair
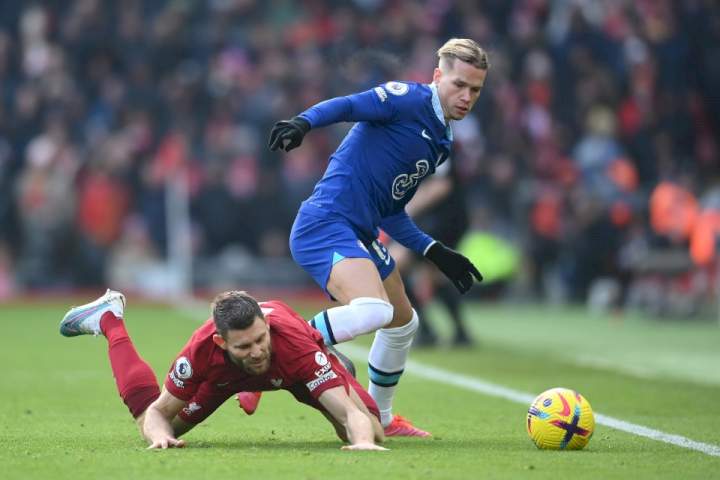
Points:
[[465, 50]]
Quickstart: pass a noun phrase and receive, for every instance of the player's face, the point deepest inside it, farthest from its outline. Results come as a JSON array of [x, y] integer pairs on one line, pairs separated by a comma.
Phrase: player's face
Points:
[[458, 88], [250, 348]]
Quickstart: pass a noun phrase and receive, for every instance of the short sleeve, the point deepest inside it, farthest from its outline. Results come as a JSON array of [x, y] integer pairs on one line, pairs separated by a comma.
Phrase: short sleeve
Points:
[[183, 379], [315, 370]]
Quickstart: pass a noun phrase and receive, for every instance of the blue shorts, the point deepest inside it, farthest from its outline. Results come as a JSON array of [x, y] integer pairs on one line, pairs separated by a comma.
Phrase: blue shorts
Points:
[[317, 244]]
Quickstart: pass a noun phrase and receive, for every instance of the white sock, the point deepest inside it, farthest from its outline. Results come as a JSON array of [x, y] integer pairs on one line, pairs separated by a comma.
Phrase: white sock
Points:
[[363, 315], [386, 363]]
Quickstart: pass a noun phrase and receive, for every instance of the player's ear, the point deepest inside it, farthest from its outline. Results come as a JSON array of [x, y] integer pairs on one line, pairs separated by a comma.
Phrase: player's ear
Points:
[[219, 341], [437, 73]]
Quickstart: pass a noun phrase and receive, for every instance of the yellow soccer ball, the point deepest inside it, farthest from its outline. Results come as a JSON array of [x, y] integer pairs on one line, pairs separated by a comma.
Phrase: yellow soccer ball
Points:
[[560, 419]]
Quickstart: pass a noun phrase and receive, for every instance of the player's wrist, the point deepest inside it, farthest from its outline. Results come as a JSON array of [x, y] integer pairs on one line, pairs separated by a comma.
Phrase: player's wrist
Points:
[[301, 124], [435, 252], [428, 247], [446, 259]]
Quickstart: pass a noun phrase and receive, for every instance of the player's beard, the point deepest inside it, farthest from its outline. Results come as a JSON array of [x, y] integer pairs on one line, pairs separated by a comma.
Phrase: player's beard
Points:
[[256, 366]]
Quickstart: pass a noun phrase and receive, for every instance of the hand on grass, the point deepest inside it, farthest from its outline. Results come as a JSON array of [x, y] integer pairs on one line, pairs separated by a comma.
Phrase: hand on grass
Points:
[[365, 446], [167, 442]]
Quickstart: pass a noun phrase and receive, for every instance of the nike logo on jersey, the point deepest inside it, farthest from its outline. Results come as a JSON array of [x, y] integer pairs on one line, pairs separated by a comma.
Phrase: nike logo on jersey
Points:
[[425, 135]]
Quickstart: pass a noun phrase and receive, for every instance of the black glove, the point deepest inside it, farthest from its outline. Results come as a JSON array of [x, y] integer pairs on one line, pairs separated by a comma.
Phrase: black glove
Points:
[[288, 134], [455, 266]]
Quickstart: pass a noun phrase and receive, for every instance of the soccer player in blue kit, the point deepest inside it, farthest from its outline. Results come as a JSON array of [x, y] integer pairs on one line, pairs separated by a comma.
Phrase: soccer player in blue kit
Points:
[[402, 135]]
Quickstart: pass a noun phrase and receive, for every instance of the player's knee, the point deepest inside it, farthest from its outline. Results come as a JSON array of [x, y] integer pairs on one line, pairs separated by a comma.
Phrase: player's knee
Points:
[[414, 323], [402, 315], [376, 312], [402, 336]]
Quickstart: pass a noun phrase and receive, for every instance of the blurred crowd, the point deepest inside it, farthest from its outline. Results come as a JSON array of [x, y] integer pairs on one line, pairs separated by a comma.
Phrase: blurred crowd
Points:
[[589, 106]]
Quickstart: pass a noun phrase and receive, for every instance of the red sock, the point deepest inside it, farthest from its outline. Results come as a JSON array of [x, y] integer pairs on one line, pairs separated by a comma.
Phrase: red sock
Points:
[[135, 380]]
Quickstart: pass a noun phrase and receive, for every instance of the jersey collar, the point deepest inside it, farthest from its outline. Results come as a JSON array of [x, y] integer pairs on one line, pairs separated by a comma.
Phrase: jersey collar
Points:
[[439, 111]]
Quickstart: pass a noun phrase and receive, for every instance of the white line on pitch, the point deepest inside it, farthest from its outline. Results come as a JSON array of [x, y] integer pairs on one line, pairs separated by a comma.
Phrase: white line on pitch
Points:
[[476, 385]]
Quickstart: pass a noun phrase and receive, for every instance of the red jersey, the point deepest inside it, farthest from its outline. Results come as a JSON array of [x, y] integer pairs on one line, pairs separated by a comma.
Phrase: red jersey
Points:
[[299, 363]]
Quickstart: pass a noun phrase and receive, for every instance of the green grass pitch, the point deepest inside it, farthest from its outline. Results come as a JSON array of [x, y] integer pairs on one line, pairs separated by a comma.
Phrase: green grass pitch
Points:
[[61, 417]]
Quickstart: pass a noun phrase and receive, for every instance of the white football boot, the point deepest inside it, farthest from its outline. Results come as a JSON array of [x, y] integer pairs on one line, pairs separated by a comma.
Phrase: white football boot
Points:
[[85, 319]]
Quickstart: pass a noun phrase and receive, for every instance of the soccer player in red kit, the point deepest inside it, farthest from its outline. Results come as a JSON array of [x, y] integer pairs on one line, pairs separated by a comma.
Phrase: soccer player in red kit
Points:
[[245, 346]]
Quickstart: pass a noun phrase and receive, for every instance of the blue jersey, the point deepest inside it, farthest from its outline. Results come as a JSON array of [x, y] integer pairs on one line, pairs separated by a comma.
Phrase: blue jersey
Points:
[[400, 138]]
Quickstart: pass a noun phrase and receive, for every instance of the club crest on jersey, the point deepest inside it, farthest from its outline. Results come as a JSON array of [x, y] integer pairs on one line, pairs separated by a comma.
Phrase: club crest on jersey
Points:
[[397, 88], [183, 369], [403, 183]]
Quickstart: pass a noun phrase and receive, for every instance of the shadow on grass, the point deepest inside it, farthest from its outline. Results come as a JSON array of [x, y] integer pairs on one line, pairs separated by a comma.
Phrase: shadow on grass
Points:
[[459, 446], [265, 445]]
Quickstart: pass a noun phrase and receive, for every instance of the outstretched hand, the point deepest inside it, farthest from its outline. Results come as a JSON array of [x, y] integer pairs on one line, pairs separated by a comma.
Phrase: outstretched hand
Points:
[[167, 442], [288, 134], [365, 446]]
